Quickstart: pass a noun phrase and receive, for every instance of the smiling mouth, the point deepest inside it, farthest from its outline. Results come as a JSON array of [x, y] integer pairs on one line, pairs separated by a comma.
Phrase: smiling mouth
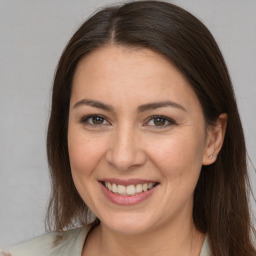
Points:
[[130, 190]]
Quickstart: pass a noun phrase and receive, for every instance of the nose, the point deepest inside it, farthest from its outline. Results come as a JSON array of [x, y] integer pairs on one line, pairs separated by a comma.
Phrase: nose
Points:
[[125, 150]]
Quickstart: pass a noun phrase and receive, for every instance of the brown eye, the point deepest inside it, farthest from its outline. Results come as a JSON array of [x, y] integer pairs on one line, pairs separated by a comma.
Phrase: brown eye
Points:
[[159, 121], [97, 120], [94, 120]]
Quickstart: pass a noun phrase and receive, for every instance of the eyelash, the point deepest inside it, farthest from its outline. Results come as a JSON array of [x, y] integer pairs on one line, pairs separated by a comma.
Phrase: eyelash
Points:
[[85, 121], [164, 118]]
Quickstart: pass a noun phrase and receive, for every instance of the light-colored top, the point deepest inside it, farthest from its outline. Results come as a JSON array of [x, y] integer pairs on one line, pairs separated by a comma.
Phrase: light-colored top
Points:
[[65, 243]]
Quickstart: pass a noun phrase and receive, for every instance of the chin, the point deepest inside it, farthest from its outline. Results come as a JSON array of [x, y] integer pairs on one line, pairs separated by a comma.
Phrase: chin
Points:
[[129, 224]]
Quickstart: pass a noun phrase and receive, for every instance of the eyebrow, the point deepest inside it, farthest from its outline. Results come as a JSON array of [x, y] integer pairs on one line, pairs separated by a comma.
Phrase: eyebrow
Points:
[[95, 104], [142, 108], [155, 105]]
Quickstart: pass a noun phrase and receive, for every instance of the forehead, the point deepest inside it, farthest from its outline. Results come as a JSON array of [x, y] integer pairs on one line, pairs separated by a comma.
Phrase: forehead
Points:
[[117, 73], [111, 60]]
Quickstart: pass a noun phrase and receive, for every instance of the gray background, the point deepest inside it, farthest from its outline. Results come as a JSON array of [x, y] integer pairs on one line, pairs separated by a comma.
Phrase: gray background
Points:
[[32, 36]]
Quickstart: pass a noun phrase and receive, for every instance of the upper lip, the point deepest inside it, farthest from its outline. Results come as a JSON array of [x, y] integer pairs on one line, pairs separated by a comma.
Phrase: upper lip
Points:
[[127, 182]]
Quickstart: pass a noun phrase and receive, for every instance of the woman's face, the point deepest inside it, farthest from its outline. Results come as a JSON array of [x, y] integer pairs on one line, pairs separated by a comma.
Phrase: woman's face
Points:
[[136, 139]]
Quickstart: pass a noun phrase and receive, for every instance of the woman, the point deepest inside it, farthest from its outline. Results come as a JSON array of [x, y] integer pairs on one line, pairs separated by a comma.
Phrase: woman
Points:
[[145, 132]]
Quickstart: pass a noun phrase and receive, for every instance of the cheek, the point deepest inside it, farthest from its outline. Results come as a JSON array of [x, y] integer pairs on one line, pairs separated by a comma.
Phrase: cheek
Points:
[[178, 156], [84, 152]]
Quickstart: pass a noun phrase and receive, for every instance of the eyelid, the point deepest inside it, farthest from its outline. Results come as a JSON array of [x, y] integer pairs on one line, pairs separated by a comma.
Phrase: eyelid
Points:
[[168, 119], [84, 120]]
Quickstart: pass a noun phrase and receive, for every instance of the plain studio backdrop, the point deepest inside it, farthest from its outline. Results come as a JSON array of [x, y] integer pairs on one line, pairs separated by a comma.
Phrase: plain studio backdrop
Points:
[[33, 34]]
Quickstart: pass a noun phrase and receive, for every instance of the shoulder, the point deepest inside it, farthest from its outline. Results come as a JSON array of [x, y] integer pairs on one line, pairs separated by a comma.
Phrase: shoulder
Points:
[[51, 244]]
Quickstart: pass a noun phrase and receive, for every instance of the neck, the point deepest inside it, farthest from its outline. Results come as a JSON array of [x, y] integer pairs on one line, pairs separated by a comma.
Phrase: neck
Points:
[[169, 240]]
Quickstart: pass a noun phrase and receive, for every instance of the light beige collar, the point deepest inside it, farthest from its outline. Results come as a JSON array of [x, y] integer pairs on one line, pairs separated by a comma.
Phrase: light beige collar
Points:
[[205, 251]]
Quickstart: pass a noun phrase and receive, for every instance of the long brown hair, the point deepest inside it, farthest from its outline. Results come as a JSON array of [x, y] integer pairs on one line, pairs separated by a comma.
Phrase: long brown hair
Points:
[[221, 196]]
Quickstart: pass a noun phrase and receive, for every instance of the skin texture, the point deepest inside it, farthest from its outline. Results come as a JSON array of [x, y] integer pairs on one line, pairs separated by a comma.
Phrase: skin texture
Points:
[[131, 144]]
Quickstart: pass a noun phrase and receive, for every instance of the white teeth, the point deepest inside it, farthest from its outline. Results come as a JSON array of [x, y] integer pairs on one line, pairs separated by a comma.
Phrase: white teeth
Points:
[[108, 185], [121, 190], [114, 188], [150, 185], [145, 187], [139, 188], [129, 190]]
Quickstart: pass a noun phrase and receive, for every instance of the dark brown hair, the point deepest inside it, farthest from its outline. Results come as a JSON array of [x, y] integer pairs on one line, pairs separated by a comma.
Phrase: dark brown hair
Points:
[[221, 196]]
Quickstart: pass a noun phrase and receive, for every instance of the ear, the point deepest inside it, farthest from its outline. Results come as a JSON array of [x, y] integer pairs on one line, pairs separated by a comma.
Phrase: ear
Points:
[[214, 140]]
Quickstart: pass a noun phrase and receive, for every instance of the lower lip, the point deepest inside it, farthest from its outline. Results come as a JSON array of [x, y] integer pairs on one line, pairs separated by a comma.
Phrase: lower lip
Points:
[[127, 200]]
